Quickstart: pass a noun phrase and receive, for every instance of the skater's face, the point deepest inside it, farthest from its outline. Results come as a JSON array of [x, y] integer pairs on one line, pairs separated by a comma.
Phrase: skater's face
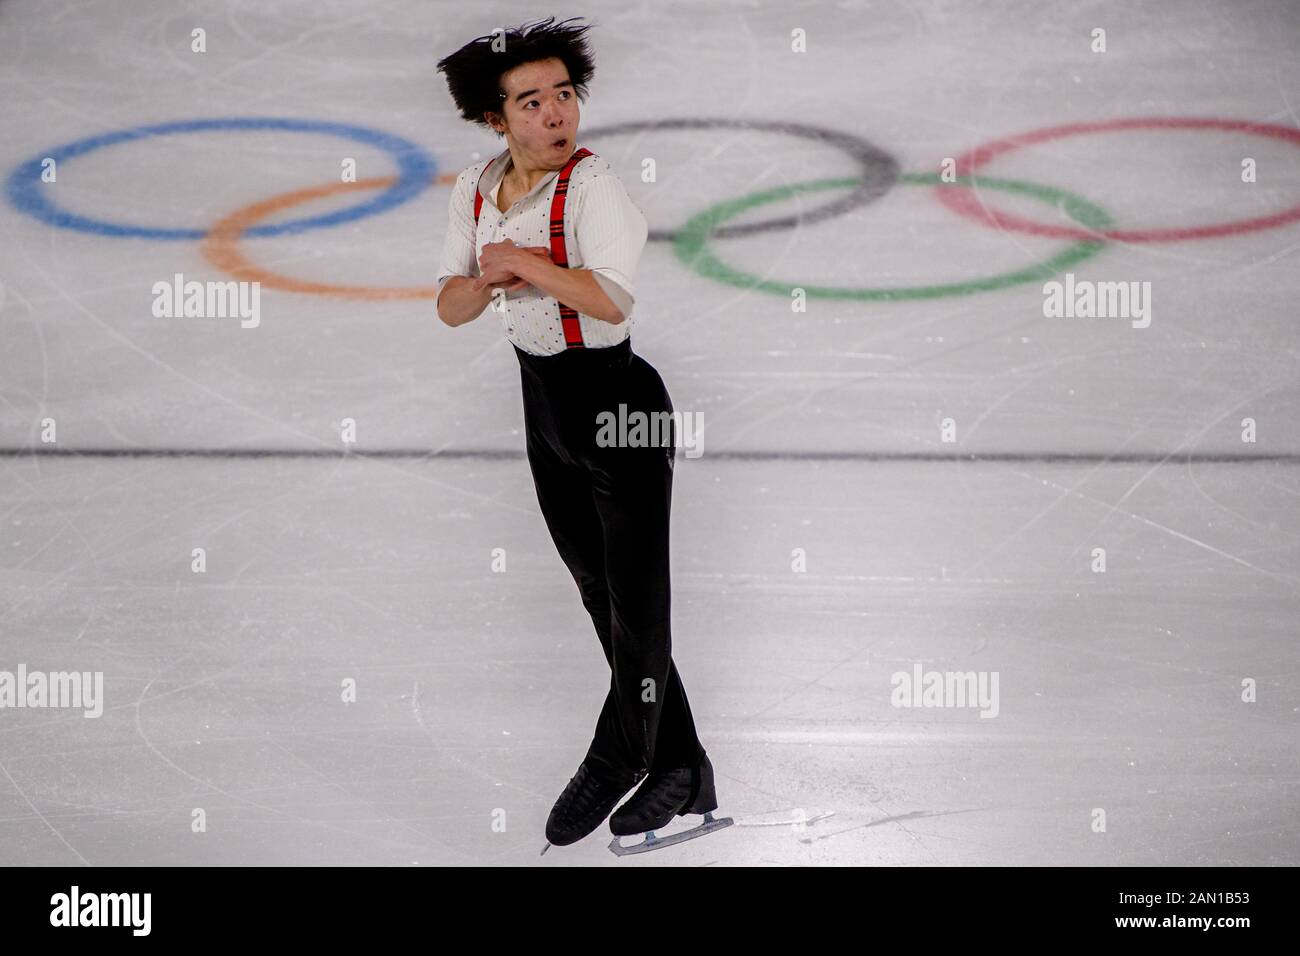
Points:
[[540, 118]]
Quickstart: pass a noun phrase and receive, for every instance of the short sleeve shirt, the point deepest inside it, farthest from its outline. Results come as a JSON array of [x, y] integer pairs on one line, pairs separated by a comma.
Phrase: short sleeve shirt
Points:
[[604, 229]]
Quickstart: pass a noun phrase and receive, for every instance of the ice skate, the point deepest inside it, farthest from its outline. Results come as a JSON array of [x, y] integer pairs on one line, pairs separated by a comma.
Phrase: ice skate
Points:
[[587, 799], [671, 793]]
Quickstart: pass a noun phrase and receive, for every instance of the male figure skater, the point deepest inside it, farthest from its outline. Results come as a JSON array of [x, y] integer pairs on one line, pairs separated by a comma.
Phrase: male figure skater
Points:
[[546, 233]]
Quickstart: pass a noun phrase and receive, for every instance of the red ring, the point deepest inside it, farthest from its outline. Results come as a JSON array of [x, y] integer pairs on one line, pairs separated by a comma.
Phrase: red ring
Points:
[[967, 202]]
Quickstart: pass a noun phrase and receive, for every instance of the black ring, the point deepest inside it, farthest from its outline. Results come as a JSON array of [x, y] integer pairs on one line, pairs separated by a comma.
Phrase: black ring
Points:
[[880, 170]]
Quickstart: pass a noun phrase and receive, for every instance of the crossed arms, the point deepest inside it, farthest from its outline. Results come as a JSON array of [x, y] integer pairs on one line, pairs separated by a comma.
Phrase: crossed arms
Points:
[[507, 266]]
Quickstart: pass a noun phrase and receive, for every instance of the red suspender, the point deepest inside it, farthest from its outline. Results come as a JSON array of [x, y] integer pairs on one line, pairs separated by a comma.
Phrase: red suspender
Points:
[[559, 253], [478, 196]]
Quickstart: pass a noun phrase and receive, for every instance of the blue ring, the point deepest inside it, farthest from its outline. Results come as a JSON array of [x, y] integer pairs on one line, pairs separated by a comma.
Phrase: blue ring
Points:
[[416, 170]]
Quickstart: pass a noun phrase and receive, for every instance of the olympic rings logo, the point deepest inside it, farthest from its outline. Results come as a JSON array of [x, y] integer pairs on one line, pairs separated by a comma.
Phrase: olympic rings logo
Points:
[[877, 173]]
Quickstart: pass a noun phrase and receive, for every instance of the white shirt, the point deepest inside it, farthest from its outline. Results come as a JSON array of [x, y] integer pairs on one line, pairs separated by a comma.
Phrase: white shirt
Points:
[[604, 230]]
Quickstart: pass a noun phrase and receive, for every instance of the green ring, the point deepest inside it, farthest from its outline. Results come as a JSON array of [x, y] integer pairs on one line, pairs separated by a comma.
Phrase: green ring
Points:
[[693, 238]]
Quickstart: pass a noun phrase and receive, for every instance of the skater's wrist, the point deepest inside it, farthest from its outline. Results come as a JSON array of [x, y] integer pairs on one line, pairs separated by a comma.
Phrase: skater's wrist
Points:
[[459, 302], [576, 288]]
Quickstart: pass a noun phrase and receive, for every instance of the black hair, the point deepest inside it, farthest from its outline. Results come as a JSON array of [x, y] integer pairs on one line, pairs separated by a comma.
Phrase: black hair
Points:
[[474, 71]]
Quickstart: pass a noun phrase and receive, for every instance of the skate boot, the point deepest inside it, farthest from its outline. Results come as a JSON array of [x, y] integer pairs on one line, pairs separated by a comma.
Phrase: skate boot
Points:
[[591, 793], [664, 795]]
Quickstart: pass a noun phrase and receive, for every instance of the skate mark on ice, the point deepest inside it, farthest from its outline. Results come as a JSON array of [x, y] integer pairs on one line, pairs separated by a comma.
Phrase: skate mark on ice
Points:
[[208, 784], [483, 774], [55, 830]]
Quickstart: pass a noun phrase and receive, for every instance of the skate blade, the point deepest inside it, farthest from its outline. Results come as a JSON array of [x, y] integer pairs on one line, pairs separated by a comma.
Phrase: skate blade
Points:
[[652, 842]]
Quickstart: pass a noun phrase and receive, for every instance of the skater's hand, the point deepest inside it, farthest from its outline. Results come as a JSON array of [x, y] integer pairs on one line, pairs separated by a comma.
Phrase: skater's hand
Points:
[[496, 265]]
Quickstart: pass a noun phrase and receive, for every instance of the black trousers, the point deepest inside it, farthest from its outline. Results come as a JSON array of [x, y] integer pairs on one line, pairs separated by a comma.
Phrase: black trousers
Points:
[[607, 508]]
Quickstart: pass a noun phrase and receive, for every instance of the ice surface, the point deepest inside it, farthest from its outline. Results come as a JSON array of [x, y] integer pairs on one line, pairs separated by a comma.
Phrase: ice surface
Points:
[[477, 691]]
